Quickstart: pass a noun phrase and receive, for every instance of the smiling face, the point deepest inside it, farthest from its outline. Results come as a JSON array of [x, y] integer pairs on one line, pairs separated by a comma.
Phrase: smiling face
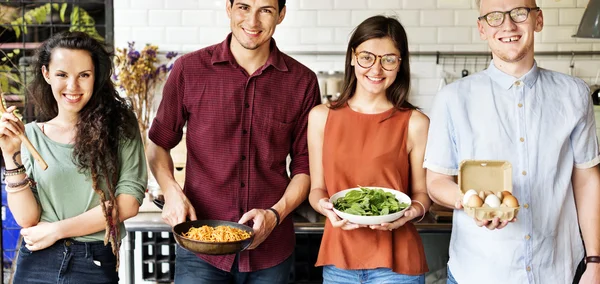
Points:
[[253, 22], [510, 42], [71, 76], [375, 80]]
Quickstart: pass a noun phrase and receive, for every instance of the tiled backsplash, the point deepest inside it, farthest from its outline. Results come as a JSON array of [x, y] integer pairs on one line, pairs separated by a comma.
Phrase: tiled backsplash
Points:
[[325, 25]]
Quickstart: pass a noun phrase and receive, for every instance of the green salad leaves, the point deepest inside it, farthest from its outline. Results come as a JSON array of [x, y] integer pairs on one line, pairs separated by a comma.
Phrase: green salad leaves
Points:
[[369, 202]]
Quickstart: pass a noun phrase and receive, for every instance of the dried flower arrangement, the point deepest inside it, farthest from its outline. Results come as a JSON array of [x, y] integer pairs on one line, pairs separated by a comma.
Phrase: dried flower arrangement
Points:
[[138, 74]]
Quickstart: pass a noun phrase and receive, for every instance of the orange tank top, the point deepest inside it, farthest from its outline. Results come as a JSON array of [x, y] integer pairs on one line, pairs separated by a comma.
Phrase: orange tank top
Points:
[[369, 150]]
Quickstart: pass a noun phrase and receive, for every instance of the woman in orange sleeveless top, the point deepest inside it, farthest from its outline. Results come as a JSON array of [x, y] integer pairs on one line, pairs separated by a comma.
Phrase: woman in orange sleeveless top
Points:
[[373, 137]]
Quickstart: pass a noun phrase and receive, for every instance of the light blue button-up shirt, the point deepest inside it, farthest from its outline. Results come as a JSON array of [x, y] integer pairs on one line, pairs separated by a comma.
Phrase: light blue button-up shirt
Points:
[[543, 124]]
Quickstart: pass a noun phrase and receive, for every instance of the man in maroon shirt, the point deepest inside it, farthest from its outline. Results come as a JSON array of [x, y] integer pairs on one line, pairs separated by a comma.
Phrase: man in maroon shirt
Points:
[[246, 106]]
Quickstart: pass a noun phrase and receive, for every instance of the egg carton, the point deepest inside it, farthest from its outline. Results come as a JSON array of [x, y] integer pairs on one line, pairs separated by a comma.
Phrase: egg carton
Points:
[[488, 213], [487, 175]]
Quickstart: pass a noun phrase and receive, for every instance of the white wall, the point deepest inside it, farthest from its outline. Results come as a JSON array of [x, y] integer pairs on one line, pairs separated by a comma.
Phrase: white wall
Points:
[[325, 25]]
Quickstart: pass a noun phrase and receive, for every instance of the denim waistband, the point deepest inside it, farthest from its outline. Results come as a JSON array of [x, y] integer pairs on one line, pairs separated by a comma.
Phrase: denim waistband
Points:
[[81, 247]]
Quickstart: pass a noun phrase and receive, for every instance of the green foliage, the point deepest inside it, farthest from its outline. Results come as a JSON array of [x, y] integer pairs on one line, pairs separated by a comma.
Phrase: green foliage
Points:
[[79, 18], [369, 202], [9, 80]]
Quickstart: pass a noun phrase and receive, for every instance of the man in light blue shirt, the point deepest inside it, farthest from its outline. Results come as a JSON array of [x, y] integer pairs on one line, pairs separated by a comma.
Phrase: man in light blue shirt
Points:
[[542, 122]]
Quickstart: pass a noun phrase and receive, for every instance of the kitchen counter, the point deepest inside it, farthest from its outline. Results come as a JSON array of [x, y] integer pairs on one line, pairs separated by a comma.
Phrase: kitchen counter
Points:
[[433, 233], [152, 222]]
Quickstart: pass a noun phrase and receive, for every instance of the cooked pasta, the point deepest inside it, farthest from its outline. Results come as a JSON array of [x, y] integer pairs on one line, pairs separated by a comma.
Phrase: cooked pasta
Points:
[[216, 234]]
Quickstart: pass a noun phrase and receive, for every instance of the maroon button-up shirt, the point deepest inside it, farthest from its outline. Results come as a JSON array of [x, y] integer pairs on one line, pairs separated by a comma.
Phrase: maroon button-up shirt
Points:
[[240, 129]]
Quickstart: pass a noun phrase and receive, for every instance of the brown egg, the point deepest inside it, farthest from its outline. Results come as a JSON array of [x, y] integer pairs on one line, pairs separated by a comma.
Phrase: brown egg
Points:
[[505, 193], [510, 201], [488, 192], [474, 201]]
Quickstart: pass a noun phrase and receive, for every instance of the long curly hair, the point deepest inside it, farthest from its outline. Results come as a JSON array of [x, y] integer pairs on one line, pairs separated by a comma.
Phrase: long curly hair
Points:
[[103, 121], [379, 27]]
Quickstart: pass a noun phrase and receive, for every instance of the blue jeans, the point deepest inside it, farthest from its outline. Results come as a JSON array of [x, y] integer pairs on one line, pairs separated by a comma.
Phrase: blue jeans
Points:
[[189, 268], [67, 261], [334, 275], [450, 279]]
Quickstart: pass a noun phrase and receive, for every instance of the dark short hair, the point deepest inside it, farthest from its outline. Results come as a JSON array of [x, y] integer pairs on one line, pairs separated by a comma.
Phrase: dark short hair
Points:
[[379, 27], [281, 4]]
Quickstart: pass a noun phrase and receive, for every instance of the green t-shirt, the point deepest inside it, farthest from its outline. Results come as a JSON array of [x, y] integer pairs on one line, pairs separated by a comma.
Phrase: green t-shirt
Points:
[[63, 192]]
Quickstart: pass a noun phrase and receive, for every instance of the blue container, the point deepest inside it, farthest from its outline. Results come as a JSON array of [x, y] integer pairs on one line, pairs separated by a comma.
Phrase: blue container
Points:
[[10, 232]]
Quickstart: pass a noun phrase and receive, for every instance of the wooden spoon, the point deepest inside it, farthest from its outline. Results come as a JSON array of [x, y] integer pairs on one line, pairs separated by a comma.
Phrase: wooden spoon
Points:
[[24, 139]]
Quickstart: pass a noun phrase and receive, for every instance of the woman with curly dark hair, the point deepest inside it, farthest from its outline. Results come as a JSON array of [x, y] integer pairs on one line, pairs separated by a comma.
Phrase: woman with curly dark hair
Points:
[[96, 174]]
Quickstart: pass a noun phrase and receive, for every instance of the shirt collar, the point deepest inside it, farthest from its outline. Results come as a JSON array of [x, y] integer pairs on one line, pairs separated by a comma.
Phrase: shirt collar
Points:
[[506, 81], [223, 53]]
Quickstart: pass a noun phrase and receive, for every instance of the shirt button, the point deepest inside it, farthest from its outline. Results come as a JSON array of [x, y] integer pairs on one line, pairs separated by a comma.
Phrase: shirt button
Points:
[[68, 243], [518, 83], [522, 139], [520, 105], [524, 173], [526, 205], [243, 184], [528, 268], [244, 131], [527, 237], [247, 105], [243, 157]]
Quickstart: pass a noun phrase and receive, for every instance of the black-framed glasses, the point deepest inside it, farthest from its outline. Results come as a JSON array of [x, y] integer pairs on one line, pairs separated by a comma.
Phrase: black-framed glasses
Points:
[[517, 15], [366, 59]]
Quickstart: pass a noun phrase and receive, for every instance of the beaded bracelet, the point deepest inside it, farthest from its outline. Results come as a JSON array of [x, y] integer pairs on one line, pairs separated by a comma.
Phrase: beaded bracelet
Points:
[[422, 216], [15, 172], [18, 184]]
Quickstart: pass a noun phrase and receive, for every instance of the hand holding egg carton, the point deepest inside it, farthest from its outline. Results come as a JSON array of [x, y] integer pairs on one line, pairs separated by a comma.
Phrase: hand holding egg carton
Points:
[[487, 189]]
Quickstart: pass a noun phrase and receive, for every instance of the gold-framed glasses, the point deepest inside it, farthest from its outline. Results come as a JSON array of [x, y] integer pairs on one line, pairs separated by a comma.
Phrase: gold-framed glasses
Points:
[[517, 15], [366, 59]]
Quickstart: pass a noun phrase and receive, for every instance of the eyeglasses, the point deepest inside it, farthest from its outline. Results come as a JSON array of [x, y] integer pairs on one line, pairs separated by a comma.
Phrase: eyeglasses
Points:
[[389, 62], [517, 15]]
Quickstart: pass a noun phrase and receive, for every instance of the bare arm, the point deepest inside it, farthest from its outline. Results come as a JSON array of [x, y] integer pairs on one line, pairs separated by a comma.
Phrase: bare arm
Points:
[[442, 189], [161, 165], [417, 140], [294, 195], [22, 204], [316, 126], [44, 234], [586, 188], [177, 207]]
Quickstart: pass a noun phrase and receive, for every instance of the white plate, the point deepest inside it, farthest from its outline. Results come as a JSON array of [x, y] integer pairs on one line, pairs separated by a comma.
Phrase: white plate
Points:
[[372, 220]]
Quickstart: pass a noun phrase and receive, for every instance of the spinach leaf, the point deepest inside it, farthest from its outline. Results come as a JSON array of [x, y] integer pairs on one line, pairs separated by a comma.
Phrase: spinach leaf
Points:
[[369, 202]]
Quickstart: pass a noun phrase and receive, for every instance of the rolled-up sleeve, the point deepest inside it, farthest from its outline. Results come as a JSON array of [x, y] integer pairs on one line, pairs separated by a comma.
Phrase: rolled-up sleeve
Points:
[[441, 152], [133, 174], [299, 151], [167, 127], [583, 138]]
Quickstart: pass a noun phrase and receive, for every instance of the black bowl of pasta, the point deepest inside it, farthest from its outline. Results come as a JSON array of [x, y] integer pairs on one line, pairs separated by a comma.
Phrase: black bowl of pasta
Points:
[[213, 237]]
